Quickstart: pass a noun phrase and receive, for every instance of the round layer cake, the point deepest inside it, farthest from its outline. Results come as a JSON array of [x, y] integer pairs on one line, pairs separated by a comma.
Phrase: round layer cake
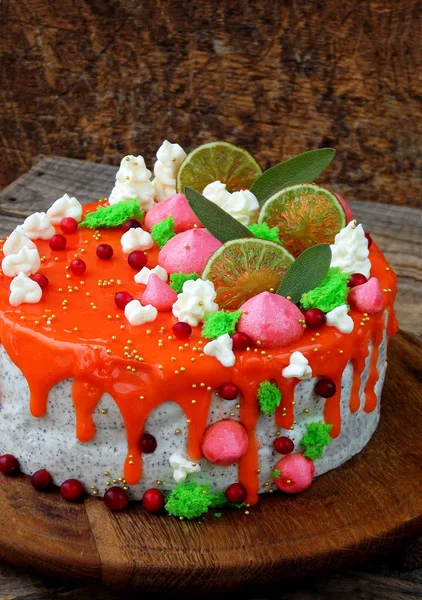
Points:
[[97, 384]]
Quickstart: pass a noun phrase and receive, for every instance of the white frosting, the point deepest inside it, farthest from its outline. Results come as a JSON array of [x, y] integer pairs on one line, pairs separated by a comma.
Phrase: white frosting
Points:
[[169, 158], [242, 205], [145, 272], [137, 314], [182, 467], [298, 367], [65, 206], [26, 261], [350, 250], [195, 301], [38, 227], [24, 290], [16, 241], [339, 318], [133, 181], [136, 239], [222, 349]]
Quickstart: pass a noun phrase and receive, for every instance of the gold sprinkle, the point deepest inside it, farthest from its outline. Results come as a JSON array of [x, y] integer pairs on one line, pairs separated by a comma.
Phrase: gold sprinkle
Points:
[[258, 471], [188, 421], [22, 318], [177, 431], [317, 334], [104, 411], [37, 322], [131, 462], [246, 512], [306, 410], [126, 487], [114, 480], [108, 482], [292, 427], [182, 369], [232, 414], [237, 406], [193, 401], [141, 397], [341, 351], [193, 359], [387, 269], [159, 482], [186, 246], [170, 337], [200, 303], [148, 332], [160, 367], [76, 329], [108, 351], [113, 337], [315, 349], [194, 385], [288, 481], [202, 385], [120, 479], [266, 483], [106, 473], [176, 372]]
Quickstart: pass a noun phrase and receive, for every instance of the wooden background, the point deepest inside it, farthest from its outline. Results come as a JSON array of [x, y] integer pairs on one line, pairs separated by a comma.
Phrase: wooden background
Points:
[[96, 79]]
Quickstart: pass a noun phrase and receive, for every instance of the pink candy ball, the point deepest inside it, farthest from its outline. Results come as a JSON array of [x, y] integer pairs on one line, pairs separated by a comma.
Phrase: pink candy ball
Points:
[[272, 319], [296, 473], [225, 442], [159, 294], [178, 207], [188, 252]]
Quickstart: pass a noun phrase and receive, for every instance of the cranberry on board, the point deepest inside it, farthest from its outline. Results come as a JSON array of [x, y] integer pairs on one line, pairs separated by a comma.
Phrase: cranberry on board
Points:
[[326, 388], [148, 443], [314, 318], [152, 500], [116, 498], [8, 464], [283, 445], [236, 493], [71, 490], [41, 479]]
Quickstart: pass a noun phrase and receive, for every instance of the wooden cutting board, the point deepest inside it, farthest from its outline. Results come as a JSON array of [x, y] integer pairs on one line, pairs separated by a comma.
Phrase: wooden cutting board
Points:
[[371, 504]]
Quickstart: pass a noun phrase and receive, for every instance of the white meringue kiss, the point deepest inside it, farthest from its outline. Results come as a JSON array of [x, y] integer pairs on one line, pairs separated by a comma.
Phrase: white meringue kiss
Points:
[[65, 206], [25, 261], [24, 290]]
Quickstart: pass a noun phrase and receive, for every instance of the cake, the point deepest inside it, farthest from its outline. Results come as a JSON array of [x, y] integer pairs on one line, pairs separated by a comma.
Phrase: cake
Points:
[[196, 339]]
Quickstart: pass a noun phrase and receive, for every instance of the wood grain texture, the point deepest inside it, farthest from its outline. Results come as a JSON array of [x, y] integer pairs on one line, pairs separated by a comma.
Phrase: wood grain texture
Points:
[[96, 80], [397, 230], [368, 506]]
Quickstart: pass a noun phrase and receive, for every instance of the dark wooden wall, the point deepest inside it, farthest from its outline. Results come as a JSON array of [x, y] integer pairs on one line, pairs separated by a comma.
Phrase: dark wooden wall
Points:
[[96, 79]]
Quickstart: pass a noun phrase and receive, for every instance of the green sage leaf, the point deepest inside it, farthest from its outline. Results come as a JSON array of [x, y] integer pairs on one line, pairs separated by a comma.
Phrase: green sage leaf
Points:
[[303, 168], [218, 222], [306, 273]]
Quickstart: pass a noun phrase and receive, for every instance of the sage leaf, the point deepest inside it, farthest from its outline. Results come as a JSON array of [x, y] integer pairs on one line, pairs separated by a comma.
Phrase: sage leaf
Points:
[[306, 273]]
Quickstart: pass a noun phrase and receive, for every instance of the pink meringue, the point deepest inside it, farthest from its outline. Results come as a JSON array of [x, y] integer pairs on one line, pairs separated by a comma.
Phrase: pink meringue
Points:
[[178, 207], [272, 319], [159, 294], [188, 252], [225, 442], [296, 473], [346, 207], [367, 297]]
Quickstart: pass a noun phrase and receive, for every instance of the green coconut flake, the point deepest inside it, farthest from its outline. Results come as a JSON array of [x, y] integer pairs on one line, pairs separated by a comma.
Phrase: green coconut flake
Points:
[[316, 438], [163, 231], [189, 500], [178, 279], [264, 232], [218, 515], [276, 474], [218, 500], [269, 397], [332, 292], [106, 217], [219, 323]]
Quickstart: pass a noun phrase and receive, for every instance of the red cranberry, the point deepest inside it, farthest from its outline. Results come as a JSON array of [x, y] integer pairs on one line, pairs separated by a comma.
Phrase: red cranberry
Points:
[[356, 279], [152, 500], [368, 237], [325, 388], [42, 280], [148, 443], [283, 445], [8, 464], [229, 391], [137, 260], [314, 318], [122, 298], [236, 493], [68, 225], [182, 330], [71, 490], [58, 242], [131, 224], [78, 266], [241, 341], [116, 498], [41, 479], [105, 251]]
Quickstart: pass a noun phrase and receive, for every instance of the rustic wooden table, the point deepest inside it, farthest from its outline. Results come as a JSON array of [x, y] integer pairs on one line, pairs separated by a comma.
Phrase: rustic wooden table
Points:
[[397, 230]]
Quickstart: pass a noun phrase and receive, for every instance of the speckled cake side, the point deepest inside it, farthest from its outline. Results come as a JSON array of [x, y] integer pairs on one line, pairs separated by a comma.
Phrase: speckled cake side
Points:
[[50, 442]]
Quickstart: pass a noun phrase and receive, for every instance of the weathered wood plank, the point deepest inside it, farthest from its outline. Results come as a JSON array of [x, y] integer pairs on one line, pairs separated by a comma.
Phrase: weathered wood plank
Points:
[[95, 80], [397, 230]]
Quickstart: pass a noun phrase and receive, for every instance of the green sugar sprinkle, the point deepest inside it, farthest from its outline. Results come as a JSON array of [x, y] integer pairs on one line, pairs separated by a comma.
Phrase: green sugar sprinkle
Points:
[[269, 397], [316, 439], [106, 217], [163, 231], [178, 279], [263, 231], [332, 292], [219, 323]]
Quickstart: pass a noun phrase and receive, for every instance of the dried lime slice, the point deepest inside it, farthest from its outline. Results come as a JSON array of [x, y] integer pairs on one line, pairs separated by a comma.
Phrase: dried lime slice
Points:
[[244, 268], [218, 161], [305, 215]]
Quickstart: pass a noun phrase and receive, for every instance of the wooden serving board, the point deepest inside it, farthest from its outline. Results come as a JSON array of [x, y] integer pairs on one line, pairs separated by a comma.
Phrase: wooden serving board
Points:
[[371, 504]]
